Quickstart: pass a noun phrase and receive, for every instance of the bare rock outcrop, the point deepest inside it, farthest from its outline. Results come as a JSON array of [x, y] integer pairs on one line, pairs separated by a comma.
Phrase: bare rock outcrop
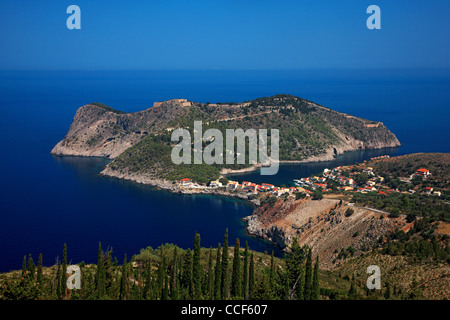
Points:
[[322, 225]]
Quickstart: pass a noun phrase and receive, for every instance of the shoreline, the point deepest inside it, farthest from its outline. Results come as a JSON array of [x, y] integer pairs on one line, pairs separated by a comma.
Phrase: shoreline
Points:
[[173, 187], [324, 158]]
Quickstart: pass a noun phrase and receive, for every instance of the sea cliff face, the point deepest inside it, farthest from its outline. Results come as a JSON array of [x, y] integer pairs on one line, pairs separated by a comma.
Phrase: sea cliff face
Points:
[[100, 131], [322, 225]]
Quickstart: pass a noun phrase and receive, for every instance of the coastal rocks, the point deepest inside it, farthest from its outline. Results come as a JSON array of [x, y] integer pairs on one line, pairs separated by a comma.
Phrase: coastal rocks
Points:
[[100, 131], [321, 225], [274, 233], [171, 186]]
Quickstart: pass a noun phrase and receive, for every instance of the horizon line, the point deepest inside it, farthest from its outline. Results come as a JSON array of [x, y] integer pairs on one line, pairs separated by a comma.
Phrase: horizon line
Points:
[[225, 69]]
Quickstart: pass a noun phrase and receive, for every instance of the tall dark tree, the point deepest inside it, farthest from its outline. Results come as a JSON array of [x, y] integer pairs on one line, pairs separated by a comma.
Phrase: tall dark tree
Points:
[[210, 281], [31, 267], [272, 270], [224, 281], [251, 277], [186, 275], [147, 279], [58, 281], [100, 273], [295, 270], [218, 274], [236, 283], [64, 270], [352, 290], [174, 276], [196, 268], [124, 280], [245, 272], [108, 269], [308, 276], [161, 272], [315, 294], [24, 266], [165, 292], [387, 293], [39, 275]]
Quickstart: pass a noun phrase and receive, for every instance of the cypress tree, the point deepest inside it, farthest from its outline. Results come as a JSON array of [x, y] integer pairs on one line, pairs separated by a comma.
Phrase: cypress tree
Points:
[[186, 275], [224, 281], [100, 273], [295, 270], [123, 280], [272, 270], [179, 274], [64, 271], [308, 276], [251, 277], [245, 271], [236, 283], [174, 277], [218, 275], [387, 294], [58, 281], [31, 267], [196, 272], [315, 295], [301, 284], [108, 268], [161, 272], [39, 275], [24, 266], [148, 279], [210, 281], [165, 293], [352, 291]]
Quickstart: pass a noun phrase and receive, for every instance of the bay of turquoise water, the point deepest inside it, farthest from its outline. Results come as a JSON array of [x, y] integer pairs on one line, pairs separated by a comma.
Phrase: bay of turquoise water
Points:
[[47, 201]]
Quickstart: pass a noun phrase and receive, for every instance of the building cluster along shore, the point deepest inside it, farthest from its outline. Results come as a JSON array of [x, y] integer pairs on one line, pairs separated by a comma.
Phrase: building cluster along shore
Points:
[[351, 179]]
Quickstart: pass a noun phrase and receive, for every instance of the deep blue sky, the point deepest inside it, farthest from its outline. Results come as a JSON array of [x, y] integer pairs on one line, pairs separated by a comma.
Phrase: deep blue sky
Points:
[[223, 34]]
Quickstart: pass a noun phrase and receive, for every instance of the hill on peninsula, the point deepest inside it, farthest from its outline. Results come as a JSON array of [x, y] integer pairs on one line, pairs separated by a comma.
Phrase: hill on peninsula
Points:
[[140, 143]]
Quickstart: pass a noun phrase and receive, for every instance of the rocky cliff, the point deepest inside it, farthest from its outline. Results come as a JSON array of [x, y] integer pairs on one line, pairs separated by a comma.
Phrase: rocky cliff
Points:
[[321, 224], [100, 131]]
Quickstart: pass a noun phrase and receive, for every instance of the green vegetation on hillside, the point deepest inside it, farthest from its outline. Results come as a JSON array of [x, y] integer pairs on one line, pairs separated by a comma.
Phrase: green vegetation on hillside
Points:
[[171, 273], [107, 108], [412, 205], [305, 129]]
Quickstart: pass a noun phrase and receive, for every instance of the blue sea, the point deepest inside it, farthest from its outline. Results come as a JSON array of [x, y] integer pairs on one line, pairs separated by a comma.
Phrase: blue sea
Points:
[[46, 201]]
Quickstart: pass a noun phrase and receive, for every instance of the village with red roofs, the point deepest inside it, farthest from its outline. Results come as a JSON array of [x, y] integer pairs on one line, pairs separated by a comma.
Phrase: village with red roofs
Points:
[[358, 178]]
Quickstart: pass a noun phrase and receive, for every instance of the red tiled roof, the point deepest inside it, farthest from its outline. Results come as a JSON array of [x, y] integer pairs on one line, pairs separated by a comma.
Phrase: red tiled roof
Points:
[[319, 184]]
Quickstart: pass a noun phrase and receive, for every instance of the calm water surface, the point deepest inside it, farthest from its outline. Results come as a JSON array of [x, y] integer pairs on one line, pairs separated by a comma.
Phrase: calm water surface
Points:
[[47, 201]]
